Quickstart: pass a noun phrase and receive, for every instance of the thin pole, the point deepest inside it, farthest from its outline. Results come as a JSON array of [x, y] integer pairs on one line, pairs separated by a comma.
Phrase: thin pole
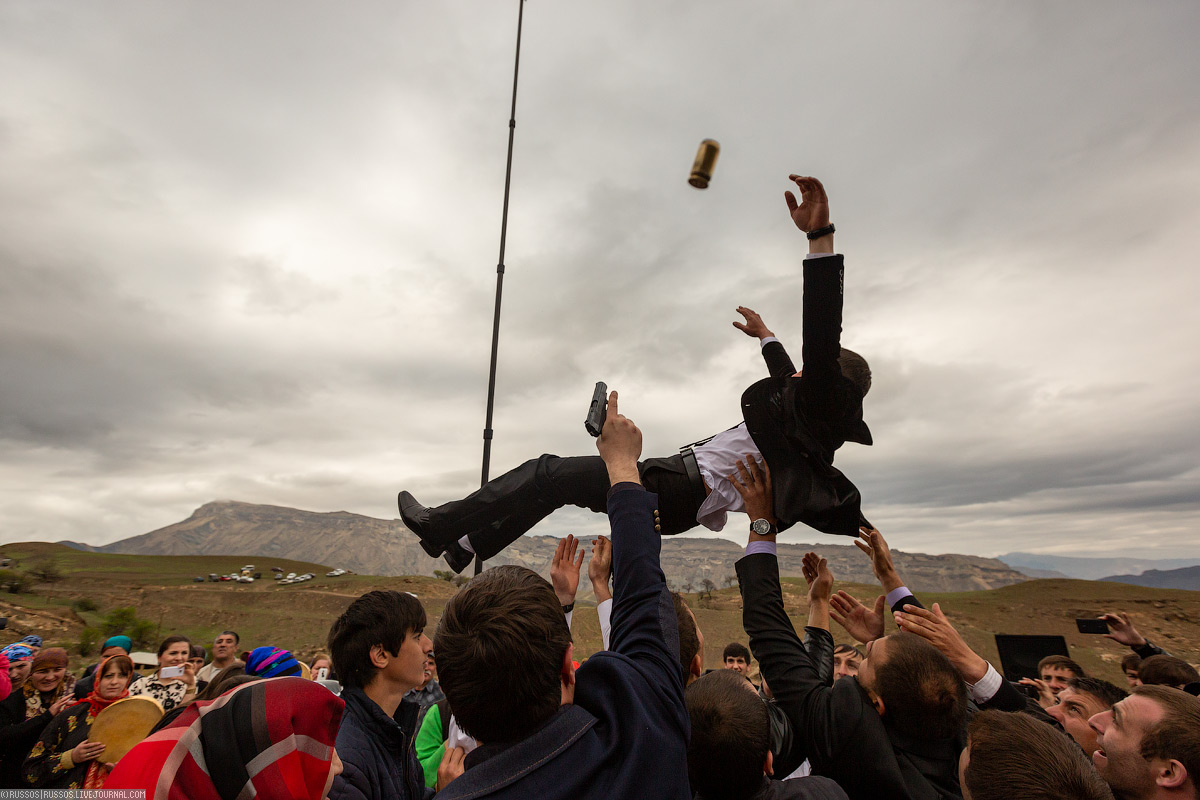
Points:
[[491, 398]]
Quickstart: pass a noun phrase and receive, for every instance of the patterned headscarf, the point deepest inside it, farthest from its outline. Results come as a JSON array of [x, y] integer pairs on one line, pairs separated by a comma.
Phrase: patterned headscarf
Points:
[[99, 703], [18, 652], [32, 641], [271, 662], [271, 740]]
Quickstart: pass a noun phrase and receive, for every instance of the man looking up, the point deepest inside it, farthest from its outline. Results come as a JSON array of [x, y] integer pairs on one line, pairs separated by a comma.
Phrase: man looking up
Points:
[[377, 655], [1083, 699], [618, 727], [224, 655], [795, 420], [1148, 745], [895, 729]]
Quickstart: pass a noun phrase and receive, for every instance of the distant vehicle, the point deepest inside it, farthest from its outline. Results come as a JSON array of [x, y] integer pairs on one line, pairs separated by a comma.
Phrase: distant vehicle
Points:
[[257, 575], [278, 576], [224, 578], [198, 579], [335, 573], [245, 579], [276, 569], [291, 576], [248, 567], [214, 577]]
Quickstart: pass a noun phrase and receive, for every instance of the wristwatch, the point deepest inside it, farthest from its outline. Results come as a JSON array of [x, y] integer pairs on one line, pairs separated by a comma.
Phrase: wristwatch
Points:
[[762, 527]]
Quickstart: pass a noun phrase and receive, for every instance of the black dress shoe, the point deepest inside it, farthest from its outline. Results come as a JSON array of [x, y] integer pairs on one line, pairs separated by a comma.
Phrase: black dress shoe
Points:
[[416, 518], [458, 557]]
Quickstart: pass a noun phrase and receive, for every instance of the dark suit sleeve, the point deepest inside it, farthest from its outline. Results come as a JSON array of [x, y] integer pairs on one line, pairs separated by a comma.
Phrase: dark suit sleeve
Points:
[[907, 600], [822, 331], [794, 680], [778, 361], [643, 615]]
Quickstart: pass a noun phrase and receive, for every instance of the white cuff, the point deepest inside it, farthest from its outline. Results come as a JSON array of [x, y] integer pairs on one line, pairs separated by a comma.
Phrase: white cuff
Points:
[[987, 686], [767, 341], [896, 595], [807, 256], [569, 613], [604, 611]]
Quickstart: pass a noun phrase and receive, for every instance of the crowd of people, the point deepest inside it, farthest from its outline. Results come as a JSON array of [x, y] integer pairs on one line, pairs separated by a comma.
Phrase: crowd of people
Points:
[[497, 705]]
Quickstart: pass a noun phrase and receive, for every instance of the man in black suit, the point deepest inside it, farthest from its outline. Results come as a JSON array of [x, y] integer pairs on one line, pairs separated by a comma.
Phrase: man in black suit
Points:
[[795, 419], [896, 729]]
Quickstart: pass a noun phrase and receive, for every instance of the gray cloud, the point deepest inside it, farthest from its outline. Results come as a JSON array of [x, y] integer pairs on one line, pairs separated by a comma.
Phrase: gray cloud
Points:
[[253, 256]]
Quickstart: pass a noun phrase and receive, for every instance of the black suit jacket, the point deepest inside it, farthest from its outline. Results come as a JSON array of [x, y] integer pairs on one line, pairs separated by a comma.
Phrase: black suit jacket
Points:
[[798, 423], [844, 736]]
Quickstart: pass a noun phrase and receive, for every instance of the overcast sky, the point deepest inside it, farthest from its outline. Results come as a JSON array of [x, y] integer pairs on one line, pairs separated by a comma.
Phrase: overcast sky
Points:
[[247, 252]]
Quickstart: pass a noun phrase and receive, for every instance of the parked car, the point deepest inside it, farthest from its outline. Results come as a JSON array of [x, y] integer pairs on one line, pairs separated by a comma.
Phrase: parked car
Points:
[[335, 573], [198, 579], [276, 569], [291, 576], [278, 576], [245, 579], [214, 577]]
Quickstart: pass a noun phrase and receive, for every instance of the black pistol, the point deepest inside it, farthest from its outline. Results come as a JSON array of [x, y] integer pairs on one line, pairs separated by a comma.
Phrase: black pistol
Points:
[[598, 410]]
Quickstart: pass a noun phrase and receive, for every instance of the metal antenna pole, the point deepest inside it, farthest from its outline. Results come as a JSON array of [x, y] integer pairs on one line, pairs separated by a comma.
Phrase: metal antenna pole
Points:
[[491, 398]]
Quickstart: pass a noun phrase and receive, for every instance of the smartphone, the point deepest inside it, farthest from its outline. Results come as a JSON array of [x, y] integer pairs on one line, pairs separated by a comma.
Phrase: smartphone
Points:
[[322, 674], [171, 672], [1092, 625]]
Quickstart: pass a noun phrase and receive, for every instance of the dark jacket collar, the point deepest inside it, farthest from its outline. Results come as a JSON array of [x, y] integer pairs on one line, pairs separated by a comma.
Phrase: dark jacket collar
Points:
[[496, 765], [371, 717]]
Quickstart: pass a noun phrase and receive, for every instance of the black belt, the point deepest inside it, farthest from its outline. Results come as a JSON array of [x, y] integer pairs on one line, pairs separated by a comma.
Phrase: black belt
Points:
[[694, 476]]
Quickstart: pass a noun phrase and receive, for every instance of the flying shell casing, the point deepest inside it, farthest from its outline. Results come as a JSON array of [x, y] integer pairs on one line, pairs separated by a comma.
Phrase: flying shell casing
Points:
[[706, 161]]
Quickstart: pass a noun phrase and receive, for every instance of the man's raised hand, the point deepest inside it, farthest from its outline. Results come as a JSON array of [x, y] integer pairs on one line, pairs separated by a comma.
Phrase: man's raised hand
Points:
[[564, 570], [820, 579], [935, 628], [813, 210], [620, 444], [753, 326], [871, 542], [753, 483], [1121, 629], [600, 568], [859, 621]]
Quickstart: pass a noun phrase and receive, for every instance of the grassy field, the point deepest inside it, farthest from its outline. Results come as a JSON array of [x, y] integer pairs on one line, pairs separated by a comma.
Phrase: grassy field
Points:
[[162, 590]]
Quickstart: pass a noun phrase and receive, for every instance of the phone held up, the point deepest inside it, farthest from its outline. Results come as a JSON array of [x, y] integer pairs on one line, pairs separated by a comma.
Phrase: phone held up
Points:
[[1092, 626], [171, 672], [598, 410]]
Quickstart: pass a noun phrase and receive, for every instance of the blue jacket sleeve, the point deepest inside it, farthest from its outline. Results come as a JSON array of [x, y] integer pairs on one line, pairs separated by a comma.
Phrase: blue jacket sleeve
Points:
[[643, 616]]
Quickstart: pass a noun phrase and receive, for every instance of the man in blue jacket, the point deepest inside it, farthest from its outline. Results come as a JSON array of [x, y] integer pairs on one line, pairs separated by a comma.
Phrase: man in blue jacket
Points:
[[618, 727], [378, 657]]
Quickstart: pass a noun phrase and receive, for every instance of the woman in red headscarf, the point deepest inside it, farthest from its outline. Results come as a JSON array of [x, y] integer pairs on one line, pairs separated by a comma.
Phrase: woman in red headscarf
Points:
[[271, 739], [63, 758]]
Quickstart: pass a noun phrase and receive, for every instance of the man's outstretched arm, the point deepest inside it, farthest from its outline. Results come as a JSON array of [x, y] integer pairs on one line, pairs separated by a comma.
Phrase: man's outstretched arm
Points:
[[823, 278], [643, 616], [779, 363]]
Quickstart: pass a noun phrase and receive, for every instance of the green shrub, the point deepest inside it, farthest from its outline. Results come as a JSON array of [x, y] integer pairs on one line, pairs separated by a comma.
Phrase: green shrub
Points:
[[143, 633], [88, 639], [47, 570], [119, 620], [14, 582], [85, 604]]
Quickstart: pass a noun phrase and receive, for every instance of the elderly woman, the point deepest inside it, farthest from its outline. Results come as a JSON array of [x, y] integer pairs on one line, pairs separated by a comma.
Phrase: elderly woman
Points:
[[208, 759], [18, 657], [63, 758], [26, 712], [170, 690]]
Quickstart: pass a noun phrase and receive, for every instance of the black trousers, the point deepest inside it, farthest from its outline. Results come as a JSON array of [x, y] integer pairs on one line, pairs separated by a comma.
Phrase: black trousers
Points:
[[500, 512]]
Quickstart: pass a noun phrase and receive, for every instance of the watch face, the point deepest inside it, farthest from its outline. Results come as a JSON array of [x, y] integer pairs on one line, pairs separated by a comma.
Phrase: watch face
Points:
[[761, 527]]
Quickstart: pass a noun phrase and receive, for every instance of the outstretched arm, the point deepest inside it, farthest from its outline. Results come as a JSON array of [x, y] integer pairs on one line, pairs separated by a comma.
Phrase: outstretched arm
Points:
[[779, 363], [811, 213]]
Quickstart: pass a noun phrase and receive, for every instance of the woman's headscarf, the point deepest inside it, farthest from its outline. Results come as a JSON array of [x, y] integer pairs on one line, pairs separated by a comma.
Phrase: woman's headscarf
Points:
[[35, 705], [123, 642], [32, 641], [18, 652], [271, 739], [99, 703], [272, 662]]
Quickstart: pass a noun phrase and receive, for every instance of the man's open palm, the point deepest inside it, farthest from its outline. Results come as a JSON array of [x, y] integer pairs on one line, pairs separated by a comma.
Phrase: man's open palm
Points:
[[813, 210]]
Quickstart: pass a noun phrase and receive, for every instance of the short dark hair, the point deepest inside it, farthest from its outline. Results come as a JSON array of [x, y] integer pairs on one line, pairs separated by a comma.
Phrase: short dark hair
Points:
[[1164, 670], [689, 638], [849, 649], [1061, 661], [855, 369], [1131, 661], [1107, 693], [225, 680], [731, 734], [377, 618], [922, 692], [236, 639], [1016, 757], [500, 645], [175, 639], [1177, 735], [736, 650], [199, 652]]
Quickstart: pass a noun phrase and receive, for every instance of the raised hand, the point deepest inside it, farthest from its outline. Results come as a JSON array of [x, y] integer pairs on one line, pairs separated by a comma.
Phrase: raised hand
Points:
[[753, 326], [753, 482], [862, 623], [600, 568], [1120, 629], [820, 579], [871, 542], [564, 570], [813, 210], [935, 628], [1046, 696], [620, 444]]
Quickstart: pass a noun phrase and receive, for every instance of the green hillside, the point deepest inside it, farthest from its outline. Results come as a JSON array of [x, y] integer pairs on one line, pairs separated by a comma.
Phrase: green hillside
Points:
[[298, 616]]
